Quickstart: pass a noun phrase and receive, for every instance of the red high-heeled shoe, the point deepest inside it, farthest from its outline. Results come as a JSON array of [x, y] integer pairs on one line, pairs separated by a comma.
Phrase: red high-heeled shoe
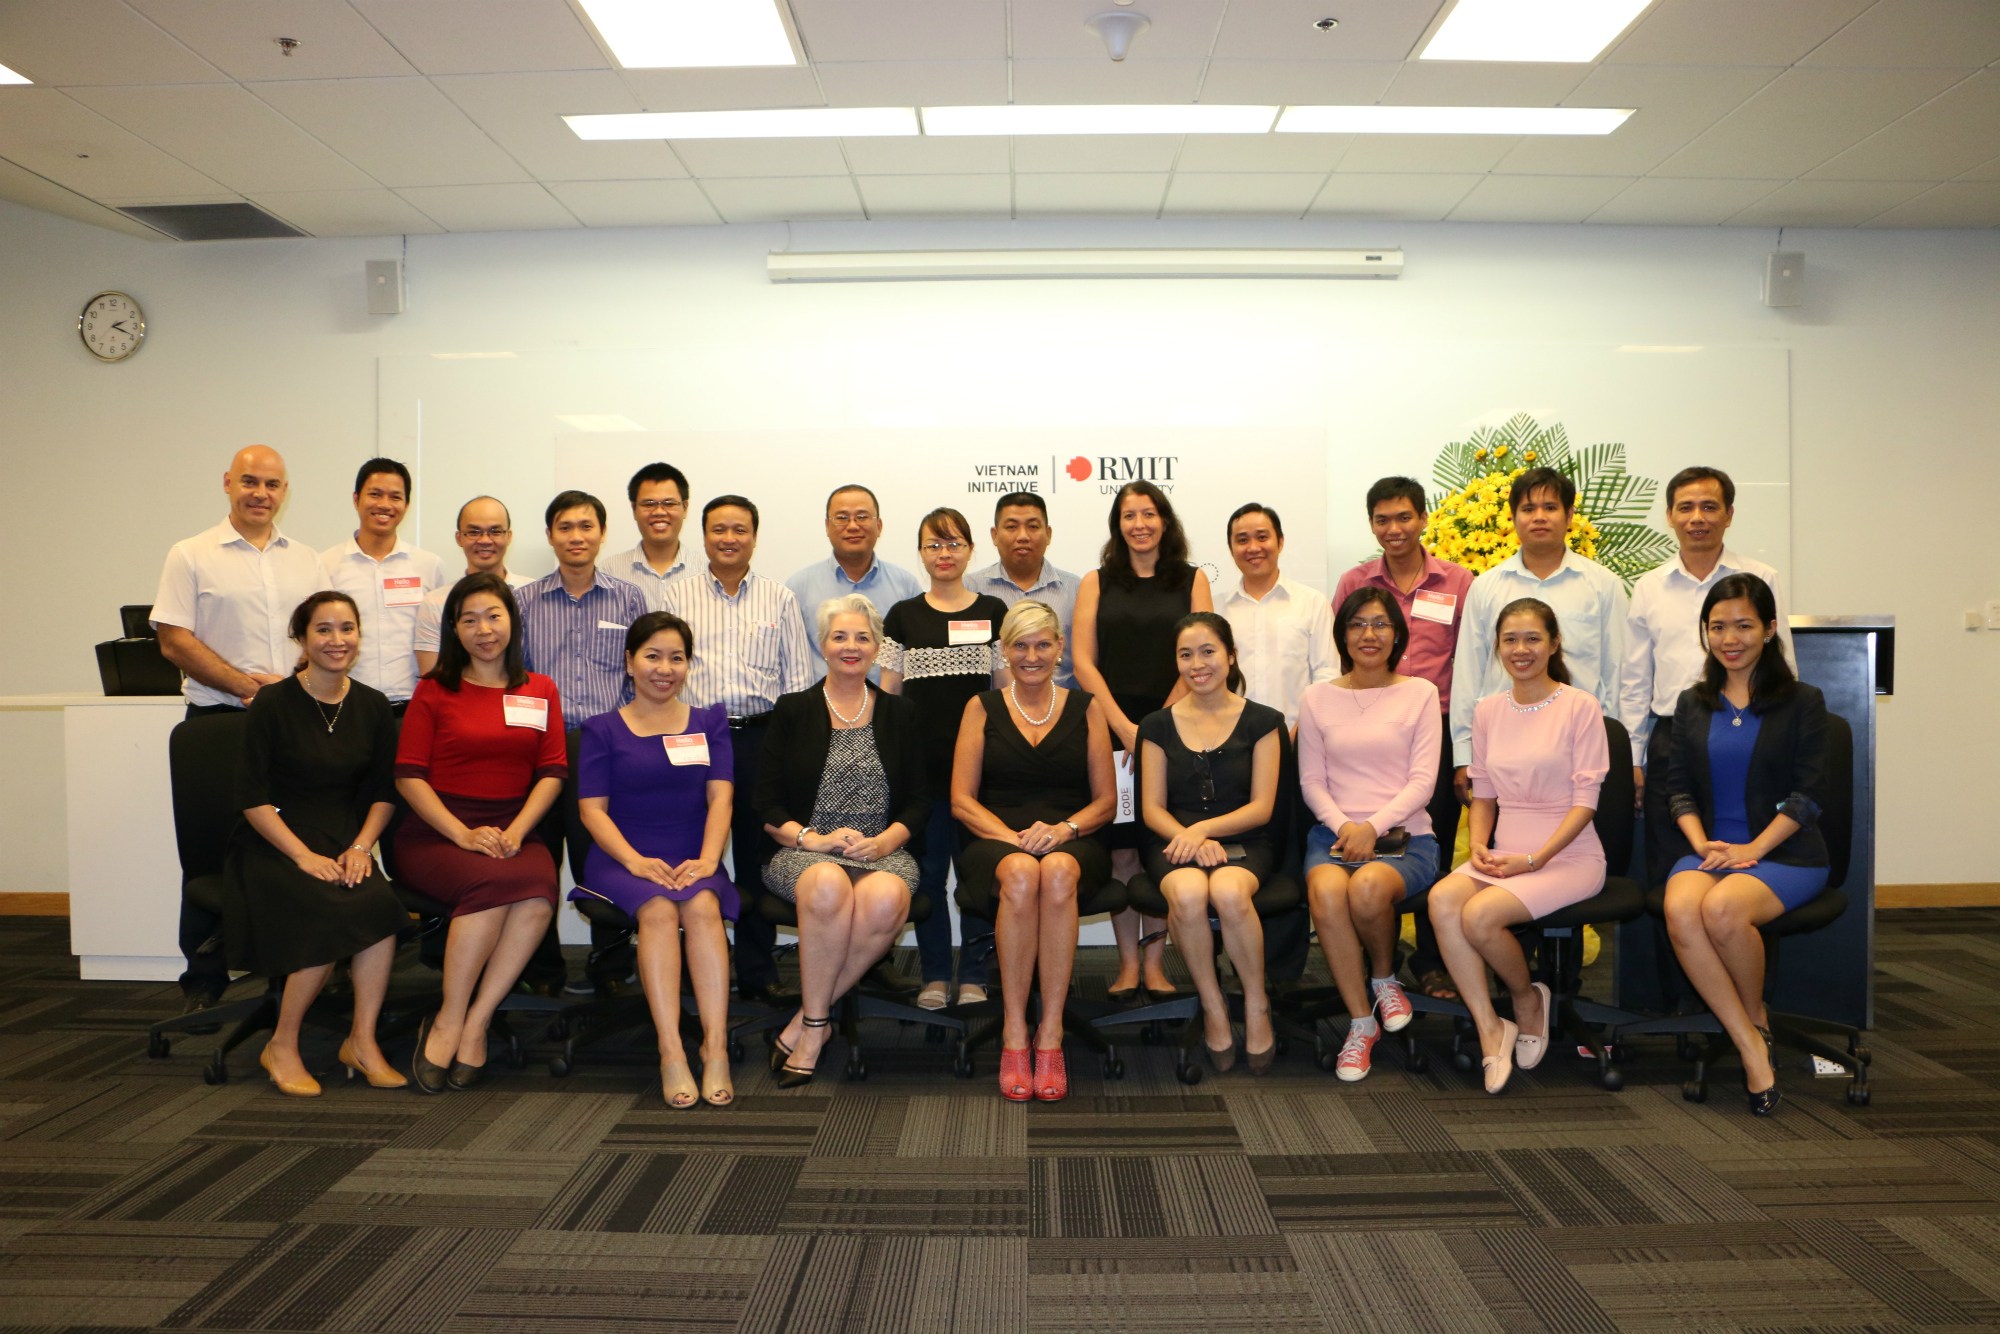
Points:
[[1016, 1074], [1051, 1075]]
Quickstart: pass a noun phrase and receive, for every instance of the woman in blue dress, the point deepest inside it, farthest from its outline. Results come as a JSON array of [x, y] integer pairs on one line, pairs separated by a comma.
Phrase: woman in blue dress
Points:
[[655, 789], [1743, 783]]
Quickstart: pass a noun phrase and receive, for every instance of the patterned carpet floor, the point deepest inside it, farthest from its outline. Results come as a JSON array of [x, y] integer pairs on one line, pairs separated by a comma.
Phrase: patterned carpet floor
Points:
[[135, 1196]]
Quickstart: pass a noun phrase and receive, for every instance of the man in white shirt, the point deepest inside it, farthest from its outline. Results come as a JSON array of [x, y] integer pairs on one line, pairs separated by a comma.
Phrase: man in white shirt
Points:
[[1664, 653], [853, 527], [658, 494], [1021, 535], [223, 613], [1589, 602], [484, 533], [387, 580], [1284, 630]]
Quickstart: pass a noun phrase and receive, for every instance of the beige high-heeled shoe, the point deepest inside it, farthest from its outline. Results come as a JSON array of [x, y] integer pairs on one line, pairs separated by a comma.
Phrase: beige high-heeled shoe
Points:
[[383, 1076], [305, 1086]]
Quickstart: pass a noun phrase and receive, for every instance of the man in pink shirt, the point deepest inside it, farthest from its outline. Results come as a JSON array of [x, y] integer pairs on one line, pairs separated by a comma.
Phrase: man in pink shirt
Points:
[[1431, 593]]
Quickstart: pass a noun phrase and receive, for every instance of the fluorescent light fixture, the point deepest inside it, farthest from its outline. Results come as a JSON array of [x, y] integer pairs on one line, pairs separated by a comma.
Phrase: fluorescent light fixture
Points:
[[1178, 118], [919, 265], [474, 356], [692, 34], [784, 123], [9, 76], [1567, 31], [598, 421], [1674, 348], [1452, 120]]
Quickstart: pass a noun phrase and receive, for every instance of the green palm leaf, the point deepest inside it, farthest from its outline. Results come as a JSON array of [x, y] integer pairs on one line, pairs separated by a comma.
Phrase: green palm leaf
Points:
[[1628, 550]]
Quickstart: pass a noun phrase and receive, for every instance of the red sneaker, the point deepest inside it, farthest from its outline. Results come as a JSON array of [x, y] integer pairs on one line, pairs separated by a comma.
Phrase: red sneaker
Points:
[[1356, 1055], [1394, 1007]]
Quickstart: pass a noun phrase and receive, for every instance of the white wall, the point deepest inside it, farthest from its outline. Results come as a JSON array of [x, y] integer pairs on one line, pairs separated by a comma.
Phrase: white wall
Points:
[[1893, 364]]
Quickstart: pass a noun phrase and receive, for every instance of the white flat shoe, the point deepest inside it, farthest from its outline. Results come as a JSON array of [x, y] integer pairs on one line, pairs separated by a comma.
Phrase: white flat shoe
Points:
[[1499, 1069], [934, 996], [971, 993], [1529, 1048]]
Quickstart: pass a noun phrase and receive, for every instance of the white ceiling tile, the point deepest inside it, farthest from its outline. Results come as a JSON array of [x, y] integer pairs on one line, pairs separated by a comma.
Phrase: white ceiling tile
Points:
[[225, 132], [1826, 203], [1952, 133], [798, 198], [1271, 194], [523, 113], [1045, 195], [1262, 152], [902, 29], [78, 42], [1413, 198], [1732, 32], [21, 186], [762, 157], [1054, 30], [1096, 152], [1457, 83], [636, 203], [1536, 198], [723, 89], [1447, 153], [334, 42], [51, 134], [400, 131], [938, 196], [1296, 82], [490, 208], [1671, 106], [920, 83], [1281, 30], [1802, 118], [1953, 204], [1660, 201], [347, 212], [887, 155], [485, 36], [1985, 171], [1063, 82], [1952, 34]]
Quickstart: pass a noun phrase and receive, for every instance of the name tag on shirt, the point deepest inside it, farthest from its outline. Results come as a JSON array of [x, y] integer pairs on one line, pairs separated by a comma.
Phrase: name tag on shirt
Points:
[[404, 590], [969, 632], [526, 711], [688, 748], [612, 625], [1439, 607]]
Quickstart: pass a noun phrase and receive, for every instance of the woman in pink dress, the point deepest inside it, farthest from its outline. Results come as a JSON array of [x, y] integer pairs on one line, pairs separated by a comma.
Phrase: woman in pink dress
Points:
[[1539, 756]]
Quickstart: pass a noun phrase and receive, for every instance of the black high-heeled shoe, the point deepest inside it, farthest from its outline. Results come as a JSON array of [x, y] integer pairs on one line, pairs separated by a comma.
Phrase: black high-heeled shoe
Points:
[[1763, 1104], [780, 1053], [424, 1073], [791, 1076]]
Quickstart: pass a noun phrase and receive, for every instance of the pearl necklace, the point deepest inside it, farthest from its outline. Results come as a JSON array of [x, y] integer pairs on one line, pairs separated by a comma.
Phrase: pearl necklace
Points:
[[1042, 721], [859, 713]]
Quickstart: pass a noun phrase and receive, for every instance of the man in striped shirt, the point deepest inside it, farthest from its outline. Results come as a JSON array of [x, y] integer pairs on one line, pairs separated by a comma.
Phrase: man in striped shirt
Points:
[[749, 648]]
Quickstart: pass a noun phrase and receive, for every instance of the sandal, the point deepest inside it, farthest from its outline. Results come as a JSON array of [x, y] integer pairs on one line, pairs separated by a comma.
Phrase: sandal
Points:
[[1016, 1074], [1051, 1075], [679, 1093], [792, 1076], [1437, 984], [717, 1090]]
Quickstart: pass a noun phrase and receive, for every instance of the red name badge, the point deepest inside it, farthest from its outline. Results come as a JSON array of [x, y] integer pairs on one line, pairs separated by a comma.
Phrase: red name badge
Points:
[[525, 711], [402, 590], [1439, 607], [687, 748]]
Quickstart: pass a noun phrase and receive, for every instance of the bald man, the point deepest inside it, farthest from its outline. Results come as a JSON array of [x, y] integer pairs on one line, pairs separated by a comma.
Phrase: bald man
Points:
[[223, 614]]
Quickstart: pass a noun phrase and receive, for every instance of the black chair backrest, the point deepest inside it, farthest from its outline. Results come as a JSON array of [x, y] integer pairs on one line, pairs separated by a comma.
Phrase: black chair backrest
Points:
[[1613, 821], [1836, 816], [204, 756]]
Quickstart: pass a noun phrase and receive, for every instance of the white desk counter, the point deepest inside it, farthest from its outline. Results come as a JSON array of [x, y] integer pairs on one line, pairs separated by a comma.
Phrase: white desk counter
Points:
[[124, 872]]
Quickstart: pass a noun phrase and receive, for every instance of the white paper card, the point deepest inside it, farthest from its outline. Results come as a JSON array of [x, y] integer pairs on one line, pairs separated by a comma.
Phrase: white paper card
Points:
[[969, 632], [402, 590], [526, 711], [1439, 607], [1124, 768], [687, 748]]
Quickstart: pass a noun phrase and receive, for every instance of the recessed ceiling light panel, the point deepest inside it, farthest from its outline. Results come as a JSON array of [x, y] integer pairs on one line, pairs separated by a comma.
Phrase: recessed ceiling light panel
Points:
[[9, 76], [692, 34], [1176, 118], [1452, 120], [1559, 31], [782, 123]]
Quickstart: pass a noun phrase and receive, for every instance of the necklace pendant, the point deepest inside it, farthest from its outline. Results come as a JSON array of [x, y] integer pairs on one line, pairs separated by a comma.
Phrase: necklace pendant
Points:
[[1737, 721]]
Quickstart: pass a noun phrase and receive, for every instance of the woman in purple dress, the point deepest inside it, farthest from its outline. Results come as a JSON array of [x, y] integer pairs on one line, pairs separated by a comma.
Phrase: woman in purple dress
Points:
[[655, 789]]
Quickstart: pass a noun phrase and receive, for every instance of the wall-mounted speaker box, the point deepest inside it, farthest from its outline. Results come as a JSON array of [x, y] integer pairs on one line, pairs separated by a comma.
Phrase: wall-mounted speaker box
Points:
[[385, 287], [1785, 278]]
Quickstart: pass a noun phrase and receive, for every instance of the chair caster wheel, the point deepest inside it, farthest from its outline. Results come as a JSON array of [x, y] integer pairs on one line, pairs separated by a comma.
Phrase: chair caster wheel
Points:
[[962, 1067], [1189, 1072], [157, 1046], [1693, 1091], [1860, 1055], [215, 1072], [559, 1066], [1462, 1060], [735, 1050], [1857, 1094], [1326, 1059], [1114, 1068], [1612, 1079]]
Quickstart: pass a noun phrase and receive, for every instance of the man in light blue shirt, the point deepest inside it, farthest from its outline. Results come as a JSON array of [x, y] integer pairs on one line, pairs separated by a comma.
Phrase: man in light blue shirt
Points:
[[659, 496], [1021, 535], [853, 526], [1589, 602]]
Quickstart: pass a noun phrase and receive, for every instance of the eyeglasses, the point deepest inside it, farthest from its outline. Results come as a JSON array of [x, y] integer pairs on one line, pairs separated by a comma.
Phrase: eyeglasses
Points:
[[1356, 627], [660, 506], [844, 517], [933, 548], [1204, 778], [477, 533]]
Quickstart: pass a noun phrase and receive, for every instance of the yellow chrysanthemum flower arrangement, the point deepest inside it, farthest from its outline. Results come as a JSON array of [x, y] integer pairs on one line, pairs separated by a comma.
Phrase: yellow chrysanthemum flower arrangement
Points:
[[1472, 525]]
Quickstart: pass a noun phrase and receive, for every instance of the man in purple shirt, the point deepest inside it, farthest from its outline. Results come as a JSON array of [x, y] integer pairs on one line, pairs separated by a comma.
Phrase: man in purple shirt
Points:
[[1431, 593]]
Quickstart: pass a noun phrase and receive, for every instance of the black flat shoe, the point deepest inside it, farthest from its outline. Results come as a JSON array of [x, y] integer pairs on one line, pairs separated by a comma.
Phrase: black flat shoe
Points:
[[428, 1077], [196, 1002], [1122, 994], [463, 1076]]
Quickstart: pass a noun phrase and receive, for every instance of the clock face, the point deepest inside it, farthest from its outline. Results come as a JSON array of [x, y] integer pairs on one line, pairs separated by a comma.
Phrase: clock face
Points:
[[111, 326]]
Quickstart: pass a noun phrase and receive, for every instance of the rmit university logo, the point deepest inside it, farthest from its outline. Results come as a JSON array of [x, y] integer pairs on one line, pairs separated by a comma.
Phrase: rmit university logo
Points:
[[1113, 472]]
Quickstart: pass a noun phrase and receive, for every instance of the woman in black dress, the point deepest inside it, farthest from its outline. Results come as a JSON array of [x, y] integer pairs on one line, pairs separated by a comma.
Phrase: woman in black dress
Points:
[[1032, 785], [300, 877], [1126, 611], [1211, 764]]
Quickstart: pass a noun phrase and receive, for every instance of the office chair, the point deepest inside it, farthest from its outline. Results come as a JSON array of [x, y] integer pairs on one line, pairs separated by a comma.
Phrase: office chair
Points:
[[1836, 825]]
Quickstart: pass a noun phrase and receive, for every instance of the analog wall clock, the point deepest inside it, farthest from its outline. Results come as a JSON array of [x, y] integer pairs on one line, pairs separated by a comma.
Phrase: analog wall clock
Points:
[[112, 326]]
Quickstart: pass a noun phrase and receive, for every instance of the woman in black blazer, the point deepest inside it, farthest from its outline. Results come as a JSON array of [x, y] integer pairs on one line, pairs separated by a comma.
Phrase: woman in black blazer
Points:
[[1743, 782], [840, 789]]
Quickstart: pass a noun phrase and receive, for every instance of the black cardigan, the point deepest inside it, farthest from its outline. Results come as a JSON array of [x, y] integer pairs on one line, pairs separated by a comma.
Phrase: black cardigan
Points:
[[1784, 773], [795, 744]]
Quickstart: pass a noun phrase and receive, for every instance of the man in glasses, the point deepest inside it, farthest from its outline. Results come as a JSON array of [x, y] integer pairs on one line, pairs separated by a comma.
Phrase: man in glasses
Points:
[[853, 527], [658, 493], [484, 533]]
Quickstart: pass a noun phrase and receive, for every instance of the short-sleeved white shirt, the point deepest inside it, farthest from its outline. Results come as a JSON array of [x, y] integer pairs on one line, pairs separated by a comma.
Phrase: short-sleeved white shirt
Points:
[[424, 638], [237, 600], [388, 603]]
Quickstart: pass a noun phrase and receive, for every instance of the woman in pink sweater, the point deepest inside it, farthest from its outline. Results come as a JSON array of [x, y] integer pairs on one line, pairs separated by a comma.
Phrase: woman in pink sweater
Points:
[[1368, 760]]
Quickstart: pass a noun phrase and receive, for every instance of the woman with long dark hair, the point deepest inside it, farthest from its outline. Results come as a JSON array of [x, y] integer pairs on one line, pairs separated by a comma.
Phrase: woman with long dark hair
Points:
[[1123, 653], [1743, 784]]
